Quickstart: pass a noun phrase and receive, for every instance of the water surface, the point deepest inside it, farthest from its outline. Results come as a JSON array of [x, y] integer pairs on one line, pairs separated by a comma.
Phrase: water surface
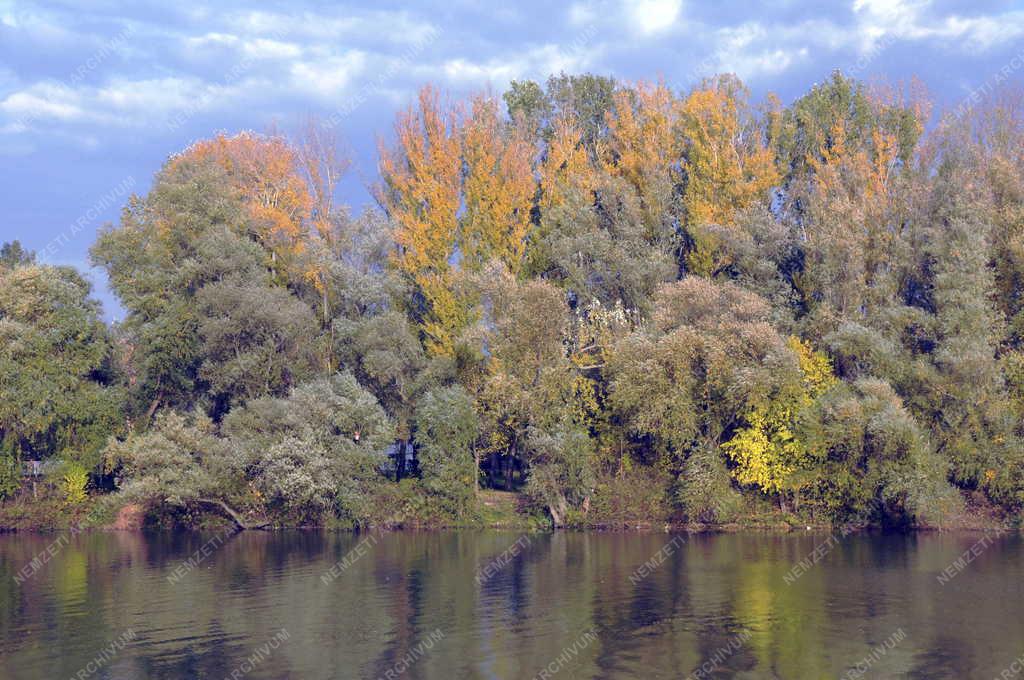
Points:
[[503, 605]]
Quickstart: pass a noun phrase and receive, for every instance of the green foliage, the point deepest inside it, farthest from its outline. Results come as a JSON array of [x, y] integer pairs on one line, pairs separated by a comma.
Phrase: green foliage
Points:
[[585, 98], [320, 448], [446, 429], [871, 461], [14, 255], [561, 471], [275, 352], [710, 360], [594, 233], [207, 319], [56, 375], [704, 489], [316, 451], [10, 476]]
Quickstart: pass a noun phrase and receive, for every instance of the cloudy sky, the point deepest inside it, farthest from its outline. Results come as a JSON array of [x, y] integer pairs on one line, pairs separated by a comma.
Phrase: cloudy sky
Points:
[[94, 94]]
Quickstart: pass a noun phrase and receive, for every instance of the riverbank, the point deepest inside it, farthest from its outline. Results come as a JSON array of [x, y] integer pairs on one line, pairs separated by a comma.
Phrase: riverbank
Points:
[[500, 510]]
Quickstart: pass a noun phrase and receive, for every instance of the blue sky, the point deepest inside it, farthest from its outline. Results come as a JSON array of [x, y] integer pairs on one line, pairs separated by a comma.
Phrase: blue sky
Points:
[[95, 95]]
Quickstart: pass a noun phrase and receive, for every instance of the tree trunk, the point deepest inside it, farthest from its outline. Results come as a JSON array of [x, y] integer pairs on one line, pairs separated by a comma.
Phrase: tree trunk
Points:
[[152, 409], [491, 477], [508, 474], [400, 461], [476, 470], [233, 515], [558, 511]]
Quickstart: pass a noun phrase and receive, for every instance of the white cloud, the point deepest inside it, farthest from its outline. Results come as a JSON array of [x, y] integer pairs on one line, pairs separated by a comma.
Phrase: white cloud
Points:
[[120, 102], [581, 13], [984, 32], [329, 77], [207, 40], [262, 48], [247, 47], [770, 62], [751, 49], [537, 62], [653, 16], [43, 101], [128, 98], [463, 70], [907, 20], [380, 26]]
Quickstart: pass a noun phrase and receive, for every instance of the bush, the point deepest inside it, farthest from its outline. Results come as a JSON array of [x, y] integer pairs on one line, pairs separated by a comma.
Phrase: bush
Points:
[[705, 488], [73, 480], [637, 494], [561, 475], [871, 460], [446, 426], [9, 476]]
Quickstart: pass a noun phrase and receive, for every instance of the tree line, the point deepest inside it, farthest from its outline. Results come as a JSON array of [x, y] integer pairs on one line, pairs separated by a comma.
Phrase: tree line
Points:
[[621, 300]]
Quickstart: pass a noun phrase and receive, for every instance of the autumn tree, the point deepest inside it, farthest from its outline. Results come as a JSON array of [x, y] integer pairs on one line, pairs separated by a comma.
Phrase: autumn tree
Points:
[[422, 194], [585, 98], [641, 148], [726, 161], [499, 189], [852, 191], [708, 358], [262, 171], [207, 314], [767, 450], [565, 165]]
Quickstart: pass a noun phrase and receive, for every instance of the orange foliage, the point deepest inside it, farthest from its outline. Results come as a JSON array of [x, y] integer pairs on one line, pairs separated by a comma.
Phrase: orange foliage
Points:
[[263, 171], [565, 164], [640, 146], [422, 194], [725, 171]]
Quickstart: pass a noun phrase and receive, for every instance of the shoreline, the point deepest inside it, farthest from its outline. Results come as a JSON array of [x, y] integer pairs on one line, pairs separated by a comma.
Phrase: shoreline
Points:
[[639, 527], [106, 513]]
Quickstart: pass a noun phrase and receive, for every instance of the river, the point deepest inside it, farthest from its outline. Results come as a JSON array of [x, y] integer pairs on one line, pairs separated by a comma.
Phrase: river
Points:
[[465, 604]]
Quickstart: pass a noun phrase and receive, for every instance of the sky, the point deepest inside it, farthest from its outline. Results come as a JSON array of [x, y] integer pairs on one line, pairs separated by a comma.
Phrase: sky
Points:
[[95, 95]]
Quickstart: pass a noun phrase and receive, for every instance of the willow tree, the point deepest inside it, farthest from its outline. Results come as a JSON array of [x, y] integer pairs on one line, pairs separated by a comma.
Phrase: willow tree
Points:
[[210, 317], [685, 383], [263, 172], [57, 373]]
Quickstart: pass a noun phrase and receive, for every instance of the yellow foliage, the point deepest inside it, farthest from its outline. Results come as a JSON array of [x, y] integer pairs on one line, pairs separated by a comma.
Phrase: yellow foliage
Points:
[[73, 483], [816, 367], [727, 169], [499, 189], [583, 404], [422, 195], [263, 171], [766, 450]]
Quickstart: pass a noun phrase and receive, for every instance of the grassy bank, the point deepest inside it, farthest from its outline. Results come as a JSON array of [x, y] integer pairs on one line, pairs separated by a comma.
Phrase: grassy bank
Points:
[[44, 511]]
